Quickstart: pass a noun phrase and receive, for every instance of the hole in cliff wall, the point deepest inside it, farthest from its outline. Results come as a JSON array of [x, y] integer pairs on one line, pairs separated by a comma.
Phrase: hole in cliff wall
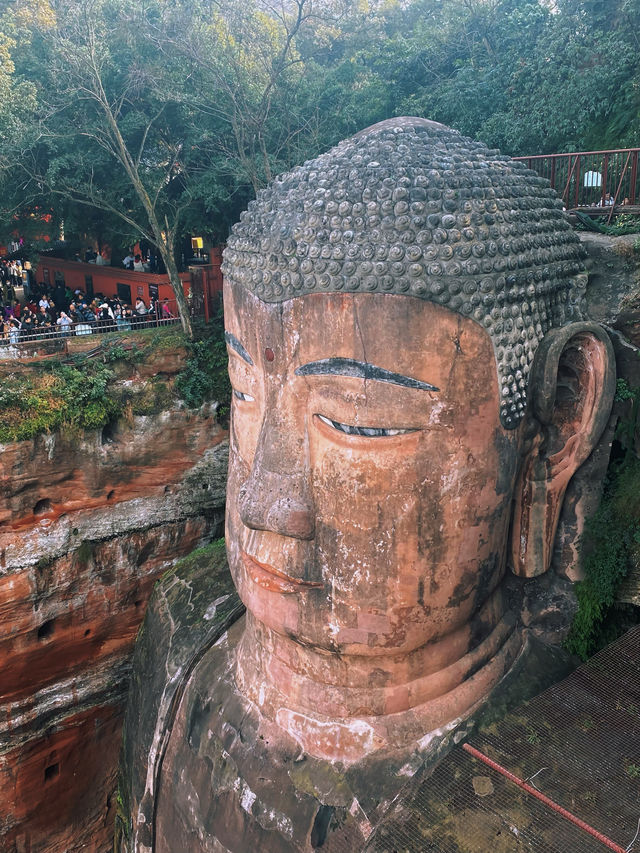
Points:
[[84, 554], [51, 772], [111, 495], [42, 506], [144, 553], [87, 632], [167, 490], [321, 826], [108, 433], [46, 629]]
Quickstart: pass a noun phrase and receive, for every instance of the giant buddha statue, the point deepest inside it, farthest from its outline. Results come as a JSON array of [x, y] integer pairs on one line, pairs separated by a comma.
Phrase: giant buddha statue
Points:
[[414, 385]]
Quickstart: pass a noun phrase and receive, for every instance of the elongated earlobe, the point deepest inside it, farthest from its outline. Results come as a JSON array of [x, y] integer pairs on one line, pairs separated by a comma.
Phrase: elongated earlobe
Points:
[[571, 391]]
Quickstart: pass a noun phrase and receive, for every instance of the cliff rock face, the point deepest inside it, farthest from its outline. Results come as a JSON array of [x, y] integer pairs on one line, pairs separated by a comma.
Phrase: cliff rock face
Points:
[[87, 525]]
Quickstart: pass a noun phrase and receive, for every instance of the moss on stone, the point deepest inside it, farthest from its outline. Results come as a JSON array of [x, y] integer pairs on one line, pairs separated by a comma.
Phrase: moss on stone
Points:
[[611, 546]]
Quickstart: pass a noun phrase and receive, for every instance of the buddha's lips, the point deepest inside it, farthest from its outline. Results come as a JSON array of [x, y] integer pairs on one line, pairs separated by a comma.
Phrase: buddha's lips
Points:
[[273, 579]]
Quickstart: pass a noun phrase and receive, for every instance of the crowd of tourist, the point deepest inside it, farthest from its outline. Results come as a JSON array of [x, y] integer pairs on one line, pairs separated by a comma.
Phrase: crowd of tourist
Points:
[[11, 277], [46, 311]]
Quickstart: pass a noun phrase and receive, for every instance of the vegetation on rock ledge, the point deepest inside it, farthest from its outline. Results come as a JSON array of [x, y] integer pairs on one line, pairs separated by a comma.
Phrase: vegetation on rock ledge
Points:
[[84, 393], [610, 545], [205, 375]]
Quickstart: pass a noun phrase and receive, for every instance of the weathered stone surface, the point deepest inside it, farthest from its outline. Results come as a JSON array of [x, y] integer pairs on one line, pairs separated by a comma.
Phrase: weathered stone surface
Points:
[[584, 491], [412, 207], [224, 783], [191, 607], [402, 435], [613, 291], [57, 775], [87, 525]]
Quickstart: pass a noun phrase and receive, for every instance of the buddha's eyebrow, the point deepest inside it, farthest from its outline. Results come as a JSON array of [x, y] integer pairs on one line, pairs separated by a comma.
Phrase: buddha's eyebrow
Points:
[[360, 370], [235, 345]]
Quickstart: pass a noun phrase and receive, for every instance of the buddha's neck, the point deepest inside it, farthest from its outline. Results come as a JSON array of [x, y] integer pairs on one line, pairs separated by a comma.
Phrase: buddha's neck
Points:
[[343, 707]]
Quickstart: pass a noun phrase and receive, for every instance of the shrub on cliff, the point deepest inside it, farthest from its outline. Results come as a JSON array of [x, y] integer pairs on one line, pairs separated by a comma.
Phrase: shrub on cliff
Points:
[[611, 546], [86, 394], [59, 396], [205, 376]]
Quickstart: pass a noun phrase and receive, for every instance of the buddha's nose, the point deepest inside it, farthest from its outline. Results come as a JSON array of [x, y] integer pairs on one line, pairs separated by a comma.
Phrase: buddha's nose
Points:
[[277, 494]]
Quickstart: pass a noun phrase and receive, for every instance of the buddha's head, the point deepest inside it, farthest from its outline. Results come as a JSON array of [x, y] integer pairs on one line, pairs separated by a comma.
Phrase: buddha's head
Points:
[[413, 387]]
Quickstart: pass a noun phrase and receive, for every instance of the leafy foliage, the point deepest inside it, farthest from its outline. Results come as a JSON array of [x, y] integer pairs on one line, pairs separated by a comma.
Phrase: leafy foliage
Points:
[[84, 394], [155, 119], [610, 545], [622, 224], [205, 376], [60, 397]]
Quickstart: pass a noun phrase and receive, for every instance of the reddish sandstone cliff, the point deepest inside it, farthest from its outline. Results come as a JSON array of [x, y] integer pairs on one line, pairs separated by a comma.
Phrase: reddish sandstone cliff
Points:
[[87, 525]]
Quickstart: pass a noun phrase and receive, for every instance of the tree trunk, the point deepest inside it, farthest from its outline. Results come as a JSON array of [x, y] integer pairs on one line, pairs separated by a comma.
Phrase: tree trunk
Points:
[[176, 284]]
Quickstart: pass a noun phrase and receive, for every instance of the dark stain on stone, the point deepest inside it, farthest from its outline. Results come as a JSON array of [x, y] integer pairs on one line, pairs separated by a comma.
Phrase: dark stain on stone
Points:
[[463, 589], [486, 578], [197, 725], [320, 826], [144, 553], [507, 461]]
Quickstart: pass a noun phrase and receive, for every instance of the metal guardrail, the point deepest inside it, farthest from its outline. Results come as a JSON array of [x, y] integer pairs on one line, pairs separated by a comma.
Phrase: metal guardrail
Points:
[[17, 340], [587, 178]]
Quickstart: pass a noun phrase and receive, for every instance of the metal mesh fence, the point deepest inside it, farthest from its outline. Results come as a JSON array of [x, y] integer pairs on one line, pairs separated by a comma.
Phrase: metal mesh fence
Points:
[[578, 743]]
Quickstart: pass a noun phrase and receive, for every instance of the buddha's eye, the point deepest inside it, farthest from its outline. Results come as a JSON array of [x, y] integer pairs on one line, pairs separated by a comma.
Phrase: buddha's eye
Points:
[[369, 432], [239, 395]]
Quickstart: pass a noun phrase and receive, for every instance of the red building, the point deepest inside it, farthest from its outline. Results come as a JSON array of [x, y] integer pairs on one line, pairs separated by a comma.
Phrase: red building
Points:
[[199, 282]]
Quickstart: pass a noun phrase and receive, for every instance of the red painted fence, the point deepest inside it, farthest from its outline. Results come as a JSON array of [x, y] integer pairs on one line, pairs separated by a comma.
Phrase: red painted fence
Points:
[[585, 178]]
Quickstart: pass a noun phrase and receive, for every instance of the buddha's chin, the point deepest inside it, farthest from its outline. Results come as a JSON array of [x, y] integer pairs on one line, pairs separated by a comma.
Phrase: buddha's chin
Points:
[[324, 700]]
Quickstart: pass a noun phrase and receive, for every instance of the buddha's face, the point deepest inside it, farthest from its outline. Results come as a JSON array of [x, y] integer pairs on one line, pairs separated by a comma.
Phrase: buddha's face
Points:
[[370, 479]]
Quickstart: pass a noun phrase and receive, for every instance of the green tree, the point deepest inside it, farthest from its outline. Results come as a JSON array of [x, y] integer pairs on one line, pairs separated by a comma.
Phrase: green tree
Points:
[[109, 133]]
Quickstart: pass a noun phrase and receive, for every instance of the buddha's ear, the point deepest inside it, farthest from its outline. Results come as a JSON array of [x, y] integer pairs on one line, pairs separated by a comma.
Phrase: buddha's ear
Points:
[[571, 389]]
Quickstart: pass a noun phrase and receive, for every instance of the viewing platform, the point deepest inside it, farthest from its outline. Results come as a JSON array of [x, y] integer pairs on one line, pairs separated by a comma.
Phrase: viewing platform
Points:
[[598, 183]]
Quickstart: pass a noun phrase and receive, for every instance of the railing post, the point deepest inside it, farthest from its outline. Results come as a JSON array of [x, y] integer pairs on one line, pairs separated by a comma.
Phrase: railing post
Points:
[[634, 175], [605, 169], [553, 172], [577, 204]]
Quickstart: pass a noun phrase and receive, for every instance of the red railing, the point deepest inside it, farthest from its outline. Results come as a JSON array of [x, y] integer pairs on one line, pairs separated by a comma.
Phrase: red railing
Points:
[[591, 178]]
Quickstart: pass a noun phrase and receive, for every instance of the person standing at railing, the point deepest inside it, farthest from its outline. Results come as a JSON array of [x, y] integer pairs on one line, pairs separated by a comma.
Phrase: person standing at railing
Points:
[[87, 314], [14, 329], [123, 319], [166, 310], [27, 324], [43, 320], [141, 311], [607, 201], [64, 324], [106, 317]]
